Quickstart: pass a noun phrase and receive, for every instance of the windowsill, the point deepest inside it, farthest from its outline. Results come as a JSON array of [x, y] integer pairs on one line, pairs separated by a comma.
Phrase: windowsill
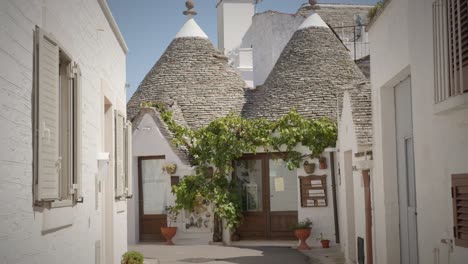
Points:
[[59, 204], [57, 218], [452, 104]]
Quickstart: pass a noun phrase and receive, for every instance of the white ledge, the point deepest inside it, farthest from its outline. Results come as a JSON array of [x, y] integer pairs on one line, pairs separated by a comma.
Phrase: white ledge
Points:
[[452, 104]]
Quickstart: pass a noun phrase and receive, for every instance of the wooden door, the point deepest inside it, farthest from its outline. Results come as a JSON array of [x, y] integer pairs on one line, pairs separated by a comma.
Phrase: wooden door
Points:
[[269, 197], [153, 186]]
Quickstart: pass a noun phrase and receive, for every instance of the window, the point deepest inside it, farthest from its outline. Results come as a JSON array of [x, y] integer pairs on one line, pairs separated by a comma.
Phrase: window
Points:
[[57, 124], [451, 48], [460, 209], [123, 157]]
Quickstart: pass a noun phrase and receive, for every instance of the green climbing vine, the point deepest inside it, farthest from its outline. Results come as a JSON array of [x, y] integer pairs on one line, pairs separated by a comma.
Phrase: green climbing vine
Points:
[[226, 139]]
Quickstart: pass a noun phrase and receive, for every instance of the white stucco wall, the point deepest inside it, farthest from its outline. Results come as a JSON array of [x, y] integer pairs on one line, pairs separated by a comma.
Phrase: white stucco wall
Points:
[[75, 25], [347, 143], [148, 141], [401, 45], [266, 27], [234, 19]]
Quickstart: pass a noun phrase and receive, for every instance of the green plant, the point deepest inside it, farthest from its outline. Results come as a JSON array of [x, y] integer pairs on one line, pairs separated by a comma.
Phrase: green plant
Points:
[[375, 9], [170, 168], [226, 139], [172, 214], [304, 224], [322, 237], [132, 257]]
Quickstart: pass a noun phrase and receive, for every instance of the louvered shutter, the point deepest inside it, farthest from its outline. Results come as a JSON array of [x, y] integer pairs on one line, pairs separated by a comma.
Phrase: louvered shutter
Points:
[[47, 167], [458, 46], [119, 155], [78, 137], [464, 42], [128, 161], [460, 208]]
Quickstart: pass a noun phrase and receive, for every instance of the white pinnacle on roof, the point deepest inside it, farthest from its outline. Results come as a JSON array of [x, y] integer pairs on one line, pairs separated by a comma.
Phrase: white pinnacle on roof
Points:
[[314, 20], [191, 29]]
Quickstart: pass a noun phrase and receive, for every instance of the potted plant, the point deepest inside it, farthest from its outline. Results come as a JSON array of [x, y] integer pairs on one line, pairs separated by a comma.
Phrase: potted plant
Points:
[[302, 231], [170, 231], [170, 168], [323, 163], [309, 168], [325, 242], [132, 257]]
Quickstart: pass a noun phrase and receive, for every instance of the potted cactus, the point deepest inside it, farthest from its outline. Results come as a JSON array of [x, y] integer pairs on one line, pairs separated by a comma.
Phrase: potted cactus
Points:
[[323, 163], [170, 168], [302, 231]]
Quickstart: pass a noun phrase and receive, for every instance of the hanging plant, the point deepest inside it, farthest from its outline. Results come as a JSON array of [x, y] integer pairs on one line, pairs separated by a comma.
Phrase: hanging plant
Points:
[[309, 168], [170, 168], [323, 163]]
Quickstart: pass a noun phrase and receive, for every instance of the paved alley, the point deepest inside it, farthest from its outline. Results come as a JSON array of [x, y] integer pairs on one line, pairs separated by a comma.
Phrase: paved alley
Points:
[[221, 255]]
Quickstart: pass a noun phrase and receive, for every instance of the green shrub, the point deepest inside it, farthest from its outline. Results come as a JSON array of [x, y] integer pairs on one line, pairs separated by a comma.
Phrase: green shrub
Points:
[[132, 257], [374, 10]]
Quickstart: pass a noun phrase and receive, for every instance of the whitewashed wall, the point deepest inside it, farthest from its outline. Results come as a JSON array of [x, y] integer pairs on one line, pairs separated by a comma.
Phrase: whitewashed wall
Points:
[[75, 25], [269, 33], [401, 45], [347, 143], [148, 141]]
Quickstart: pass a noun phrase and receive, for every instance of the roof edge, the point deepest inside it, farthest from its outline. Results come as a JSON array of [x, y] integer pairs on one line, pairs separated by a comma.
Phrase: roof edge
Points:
[[115, 28]]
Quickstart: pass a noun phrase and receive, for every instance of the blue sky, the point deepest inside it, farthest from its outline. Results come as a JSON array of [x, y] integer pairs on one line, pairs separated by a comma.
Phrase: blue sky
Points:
[[149, 26]]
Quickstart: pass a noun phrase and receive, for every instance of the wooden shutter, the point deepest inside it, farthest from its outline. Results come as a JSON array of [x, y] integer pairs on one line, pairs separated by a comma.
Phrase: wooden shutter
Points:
[[458, 46], [77, 134], [460, 208], [128, 161], [119, 155], [464, 42], [46, 94]]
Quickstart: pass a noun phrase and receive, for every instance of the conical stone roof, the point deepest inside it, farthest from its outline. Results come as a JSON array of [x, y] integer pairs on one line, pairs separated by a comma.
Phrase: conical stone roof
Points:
[[193, 75], [308, 75]]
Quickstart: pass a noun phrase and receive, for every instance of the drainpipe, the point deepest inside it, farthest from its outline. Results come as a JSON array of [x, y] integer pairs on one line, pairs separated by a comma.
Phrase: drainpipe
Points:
[[368, 209], [335, 207]]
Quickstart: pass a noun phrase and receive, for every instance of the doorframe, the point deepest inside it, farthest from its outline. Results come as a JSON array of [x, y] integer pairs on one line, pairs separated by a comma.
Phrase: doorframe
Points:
[[266, 203], [351, 206], [140, 193], [108, 185]]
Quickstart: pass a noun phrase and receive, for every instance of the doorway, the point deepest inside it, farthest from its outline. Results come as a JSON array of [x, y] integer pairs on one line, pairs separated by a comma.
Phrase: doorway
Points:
[[108, 184], [153, 186], [269, 193], [406, 173], [351, 249]]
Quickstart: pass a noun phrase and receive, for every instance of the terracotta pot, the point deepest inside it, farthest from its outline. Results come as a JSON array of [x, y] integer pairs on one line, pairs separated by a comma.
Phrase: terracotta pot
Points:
[[323, 164], [302, 235], [169, 233], [325, 243], [309, 168], [235, 237]]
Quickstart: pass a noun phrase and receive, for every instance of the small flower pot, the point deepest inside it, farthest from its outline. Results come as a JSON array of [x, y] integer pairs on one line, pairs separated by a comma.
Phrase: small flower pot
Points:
[[325, 243], [169, 233], [235, 237], [302, 235], [309, 168], [323, 164]]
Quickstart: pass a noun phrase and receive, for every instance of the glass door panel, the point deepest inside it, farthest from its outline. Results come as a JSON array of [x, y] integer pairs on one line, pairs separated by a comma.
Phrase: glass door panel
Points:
[[283, 187], [249, 174], [155, 186]]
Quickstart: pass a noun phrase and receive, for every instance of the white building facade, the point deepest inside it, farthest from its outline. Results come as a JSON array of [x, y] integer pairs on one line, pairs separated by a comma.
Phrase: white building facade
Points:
[[420, 131], [63, 184]]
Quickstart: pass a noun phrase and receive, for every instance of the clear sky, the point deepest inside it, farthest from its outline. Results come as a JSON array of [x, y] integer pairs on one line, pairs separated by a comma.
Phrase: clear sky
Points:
[[149, 26]]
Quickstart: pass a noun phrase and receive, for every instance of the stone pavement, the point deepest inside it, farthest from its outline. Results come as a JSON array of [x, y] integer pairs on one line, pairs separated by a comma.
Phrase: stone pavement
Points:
[[252, 253]]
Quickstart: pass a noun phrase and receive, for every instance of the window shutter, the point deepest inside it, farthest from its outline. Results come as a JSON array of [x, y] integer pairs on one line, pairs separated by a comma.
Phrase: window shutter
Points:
[[464, 42], [460, 208], [78, 137], [47, 167], [119, 155], [128, 160]]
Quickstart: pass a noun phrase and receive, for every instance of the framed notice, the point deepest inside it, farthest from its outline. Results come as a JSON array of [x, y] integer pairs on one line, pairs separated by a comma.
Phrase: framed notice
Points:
[[313, 191]]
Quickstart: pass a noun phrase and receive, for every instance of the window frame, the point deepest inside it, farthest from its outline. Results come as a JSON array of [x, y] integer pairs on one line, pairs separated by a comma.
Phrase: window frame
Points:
[[69, 101]]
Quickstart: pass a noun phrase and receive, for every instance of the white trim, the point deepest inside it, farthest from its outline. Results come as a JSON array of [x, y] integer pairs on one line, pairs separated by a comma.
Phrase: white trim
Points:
[[314, 20], [191, 29], [110, 18]]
